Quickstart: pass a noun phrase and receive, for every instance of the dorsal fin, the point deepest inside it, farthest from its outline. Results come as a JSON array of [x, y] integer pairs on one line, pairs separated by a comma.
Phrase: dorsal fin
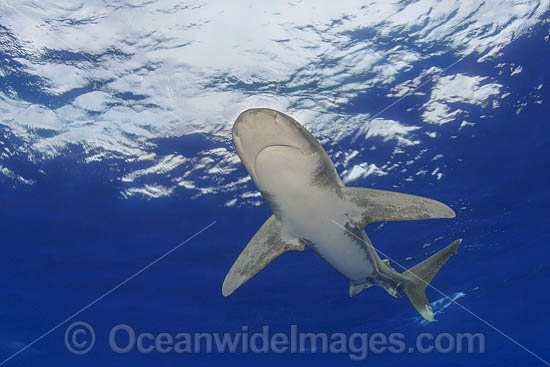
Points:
[[380, 206], [266, 245]]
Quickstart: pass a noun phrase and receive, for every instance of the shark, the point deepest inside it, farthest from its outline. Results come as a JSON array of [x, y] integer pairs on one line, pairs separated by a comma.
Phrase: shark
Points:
[[313, 208]]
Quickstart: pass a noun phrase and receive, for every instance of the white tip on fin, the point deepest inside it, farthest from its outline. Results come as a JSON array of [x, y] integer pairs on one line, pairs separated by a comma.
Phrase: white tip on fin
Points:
[[266, 245], [380, 206], [422, 274], [355, 289]]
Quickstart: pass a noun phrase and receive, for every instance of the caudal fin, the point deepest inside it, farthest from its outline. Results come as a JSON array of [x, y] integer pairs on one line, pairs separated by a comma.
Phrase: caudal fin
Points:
[[422, 274]]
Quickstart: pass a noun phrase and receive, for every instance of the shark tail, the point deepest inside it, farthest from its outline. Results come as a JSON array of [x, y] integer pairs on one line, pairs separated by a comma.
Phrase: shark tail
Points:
[[422, 274]]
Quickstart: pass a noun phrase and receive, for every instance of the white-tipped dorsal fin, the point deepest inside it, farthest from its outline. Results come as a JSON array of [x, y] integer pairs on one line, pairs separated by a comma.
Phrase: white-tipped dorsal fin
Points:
[[380, 206], [266, 245]]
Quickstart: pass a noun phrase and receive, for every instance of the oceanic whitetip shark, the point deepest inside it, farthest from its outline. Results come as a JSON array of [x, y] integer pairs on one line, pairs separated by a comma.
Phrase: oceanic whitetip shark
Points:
[[312, 207]]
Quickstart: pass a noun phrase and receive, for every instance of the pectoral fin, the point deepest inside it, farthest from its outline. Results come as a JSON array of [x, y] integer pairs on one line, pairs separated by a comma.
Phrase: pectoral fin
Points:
[[380, 206], [266, 245]]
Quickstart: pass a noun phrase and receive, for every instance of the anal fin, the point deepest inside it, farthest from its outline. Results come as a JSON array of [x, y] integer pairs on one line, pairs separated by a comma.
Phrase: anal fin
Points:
[[266, 245]]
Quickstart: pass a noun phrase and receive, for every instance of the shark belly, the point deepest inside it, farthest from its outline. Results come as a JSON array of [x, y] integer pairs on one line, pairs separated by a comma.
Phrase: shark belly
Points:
[[285, 176], [348, 256]]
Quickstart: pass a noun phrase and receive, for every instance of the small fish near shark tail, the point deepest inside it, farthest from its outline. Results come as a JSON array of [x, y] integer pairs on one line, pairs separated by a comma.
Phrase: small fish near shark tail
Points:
[[422, 274]]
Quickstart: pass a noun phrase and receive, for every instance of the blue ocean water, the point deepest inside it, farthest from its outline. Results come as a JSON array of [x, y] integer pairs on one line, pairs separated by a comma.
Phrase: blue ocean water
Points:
[[71, 237]]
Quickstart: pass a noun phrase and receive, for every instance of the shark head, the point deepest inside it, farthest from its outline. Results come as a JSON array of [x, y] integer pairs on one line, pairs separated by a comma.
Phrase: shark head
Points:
[[266, 138], [260, 128]]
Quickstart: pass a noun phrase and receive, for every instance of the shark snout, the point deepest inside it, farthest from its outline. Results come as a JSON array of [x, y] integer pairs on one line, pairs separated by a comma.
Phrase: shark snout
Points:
[[258, 128], [256, 122]]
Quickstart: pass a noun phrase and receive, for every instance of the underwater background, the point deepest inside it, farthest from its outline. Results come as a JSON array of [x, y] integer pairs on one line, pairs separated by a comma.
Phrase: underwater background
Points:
[[115, 148]]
